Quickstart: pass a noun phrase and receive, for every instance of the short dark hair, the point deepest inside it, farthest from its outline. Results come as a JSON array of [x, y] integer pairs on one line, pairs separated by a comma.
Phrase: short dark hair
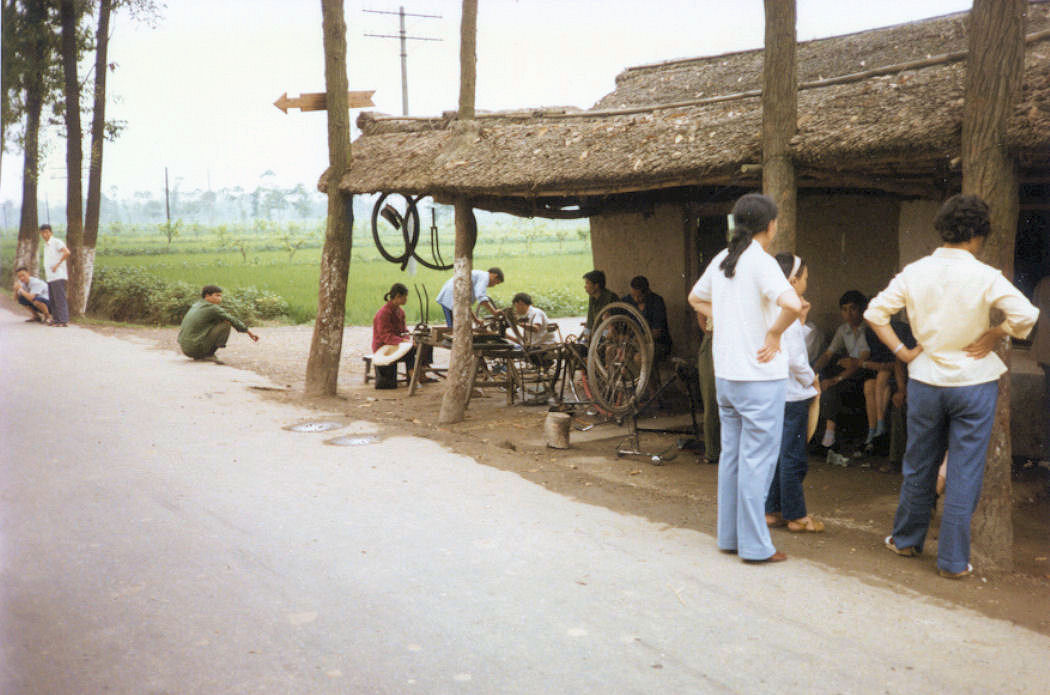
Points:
[[854, 297], [961, 218], [21, 268], [640, 282], [523, 298], [210, 289], [43, 227], [597, 277], [497, 272]]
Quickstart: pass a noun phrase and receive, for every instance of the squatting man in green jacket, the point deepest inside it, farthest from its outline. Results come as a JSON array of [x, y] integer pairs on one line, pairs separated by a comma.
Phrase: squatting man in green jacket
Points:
[[206, 326]]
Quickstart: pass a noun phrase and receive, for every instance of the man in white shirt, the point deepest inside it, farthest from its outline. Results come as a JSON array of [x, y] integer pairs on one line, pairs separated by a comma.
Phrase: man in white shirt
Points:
[[850, 345], [532, 321], [953, 376], [480, 282], [32, 293], [55, 255]]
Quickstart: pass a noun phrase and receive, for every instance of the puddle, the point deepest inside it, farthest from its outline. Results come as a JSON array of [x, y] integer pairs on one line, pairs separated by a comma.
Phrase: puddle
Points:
[[351, 441], [322, 426]]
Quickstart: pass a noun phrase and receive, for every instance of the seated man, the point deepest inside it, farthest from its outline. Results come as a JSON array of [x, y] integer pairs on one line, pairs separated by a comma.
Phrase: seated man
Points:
[[480, 282], [32, 293], [600, 297], [850, 346], [206, 326], [651, 306], [532, 322]]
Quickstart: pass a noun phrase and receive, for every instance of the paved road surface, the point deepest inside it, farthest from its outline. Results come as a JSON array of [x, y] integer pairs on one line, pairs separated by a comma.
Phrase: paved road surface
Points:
[[161, 533]]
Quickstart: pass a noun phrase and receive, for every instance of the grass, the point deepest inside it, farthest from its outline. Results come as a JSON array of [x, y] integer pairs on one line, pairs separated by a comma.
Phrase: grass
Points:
[[548, 266]]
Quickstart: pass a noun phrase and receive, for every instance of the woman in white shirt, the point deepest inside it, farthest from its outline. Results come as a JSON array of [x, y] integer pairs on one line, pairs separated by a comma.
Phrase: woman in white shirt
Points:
[[952, 376], [786, 503], [745, 294]]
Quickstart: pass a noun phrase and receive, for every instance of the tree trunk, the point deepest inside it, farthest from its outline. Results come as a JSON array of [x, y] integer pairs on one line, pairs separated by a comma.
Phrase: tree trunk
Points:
[[780, 117], [461, 364], [322, 367], [28, 233], [460, 370], [74, 158], [98, 127], [994, 73]]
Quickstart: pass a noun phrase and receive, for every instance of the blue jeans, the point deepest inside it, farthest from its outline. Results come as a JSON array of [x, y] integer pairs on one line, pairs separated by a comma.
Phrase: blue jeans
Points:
[[448, 315], [957, 419], [752, 415], [785, 494]]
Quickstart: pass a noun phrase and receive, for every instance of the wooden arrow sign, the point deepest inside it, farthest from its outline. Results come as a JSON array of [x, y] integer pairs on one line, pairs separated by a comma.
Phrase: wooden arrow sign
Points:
[[317, 101]]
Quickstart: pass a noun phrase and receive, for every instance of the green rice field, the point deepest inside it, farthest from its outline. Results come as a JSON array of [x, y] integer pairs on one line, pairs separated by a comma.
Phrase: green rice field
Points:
[[545, 262]]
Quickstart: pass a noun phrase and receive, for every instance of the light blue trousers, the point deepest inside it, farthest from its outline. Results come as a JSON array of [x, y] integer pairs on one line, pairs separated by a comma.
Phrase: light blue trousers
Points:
[[752, 414]]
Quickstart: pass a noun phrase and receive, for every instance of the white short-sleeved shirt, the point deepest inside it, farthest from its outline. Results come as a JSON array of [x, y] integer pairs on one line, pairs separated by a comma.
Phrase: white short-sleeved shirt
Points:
[[537, 318], [479, 282], [53, 248], [744, 307], [850, 340], [800, 374], [949, 295], [36, 287]]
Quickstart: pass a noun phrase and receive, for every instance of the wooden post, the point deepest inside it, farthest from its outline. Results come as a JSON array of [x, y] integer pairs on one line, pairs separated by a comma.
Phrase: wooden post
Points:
[[322, 367], [994, 73], [780, 117], [460, 371]]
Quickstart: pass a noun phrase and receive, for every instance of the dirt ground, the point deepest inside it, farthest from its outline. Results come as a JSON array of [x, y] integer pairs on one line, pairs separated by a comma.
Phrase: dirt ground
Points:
[[857, 503]]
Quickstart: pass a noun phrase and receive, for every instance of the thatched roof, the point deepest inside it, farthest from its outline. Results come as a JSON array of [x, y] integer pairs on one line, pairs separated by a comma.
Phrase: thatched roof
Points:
[[666, 125]]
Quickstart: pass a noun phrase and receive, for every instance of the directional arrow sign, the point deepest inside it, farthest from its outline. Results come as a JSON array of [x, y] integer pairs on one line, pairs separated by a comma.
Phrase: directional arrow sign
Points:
[[317, 101]]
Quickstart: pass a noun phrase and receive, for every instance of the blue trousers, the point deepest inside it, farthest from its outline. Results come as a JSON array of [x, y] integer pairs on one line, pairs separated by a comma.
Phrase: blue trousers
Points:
[[752, 415], [448, 315], [957, 419], [785, 494]]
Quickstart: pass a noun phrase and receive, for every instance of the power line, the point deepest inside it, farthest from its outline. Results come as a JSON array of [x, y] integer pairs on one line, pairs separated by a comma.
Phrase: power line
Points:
[[403, 37]]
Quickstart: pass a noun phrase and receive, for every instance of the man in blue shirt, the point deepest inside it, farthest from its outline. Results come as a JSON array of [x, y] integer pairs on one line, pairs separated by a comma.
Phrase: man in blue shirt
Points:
[[480, 282]]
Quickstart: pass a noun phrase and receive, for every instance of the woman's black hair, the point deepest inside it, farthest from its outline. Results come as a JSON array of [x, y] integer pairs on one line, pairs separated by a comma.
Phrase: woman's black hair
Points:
[[787, 262], [396, 290], [751, 215], [961, 218]]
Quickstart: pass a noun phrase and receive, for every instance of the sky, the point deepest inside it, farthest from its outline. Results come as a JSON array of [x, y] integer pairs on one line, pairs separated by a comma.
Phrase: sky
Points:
[[197, 91]]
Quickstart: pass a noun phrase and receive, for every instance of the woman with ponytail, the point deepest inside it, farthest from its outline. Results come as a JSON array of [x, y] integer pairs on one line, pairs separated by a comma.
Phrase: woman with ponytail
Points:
[[750, 302], [388, 326], [786, 503]]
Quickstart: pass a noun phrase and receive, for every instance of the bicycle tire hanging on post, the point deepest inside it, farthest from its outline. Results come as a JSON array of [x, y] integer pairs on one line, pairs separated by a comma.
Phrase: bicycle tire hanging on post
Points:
[[408, 225]]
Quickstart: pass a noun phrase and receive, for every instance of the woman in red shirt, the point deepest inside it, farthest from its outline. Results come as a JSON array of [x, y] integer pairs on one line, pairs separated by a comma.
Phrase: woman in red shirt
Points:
[[388, 326]]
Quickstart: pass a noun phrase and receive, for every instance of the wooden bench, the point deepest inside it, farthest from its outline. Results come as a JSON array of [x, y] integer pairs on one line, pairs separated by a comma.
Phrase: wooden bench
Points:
[[369, 374]]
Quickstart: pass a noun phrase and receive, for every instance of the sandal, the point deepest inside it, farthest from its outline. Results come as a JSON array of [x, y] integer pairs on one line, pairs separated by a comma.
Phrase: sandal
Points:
[[775, 520], [903, 552], [809, 525], [775, 557], [956, 575]]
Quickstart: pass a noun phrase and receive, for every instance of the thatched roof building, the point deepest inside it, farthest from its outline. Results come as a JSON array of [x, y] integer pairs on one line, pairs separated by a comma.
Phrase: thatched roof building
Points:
[[879, 110]]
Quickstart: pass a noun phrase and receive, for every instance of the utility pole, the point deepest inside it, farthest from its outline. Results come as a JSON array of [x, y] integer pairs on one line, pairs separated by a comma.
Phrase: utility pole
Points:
[[404, 47]]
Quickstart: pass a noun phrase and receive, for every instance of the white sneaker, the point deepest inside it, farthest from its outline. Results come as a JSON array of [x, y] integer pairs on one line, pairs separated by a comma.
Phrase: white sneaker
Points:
[[837, 459]]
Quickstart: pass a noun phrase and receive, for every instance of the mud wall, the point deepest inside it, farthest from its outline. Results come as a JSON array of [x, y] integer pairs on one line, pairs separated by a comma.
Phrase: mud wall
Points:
[[656, 244]]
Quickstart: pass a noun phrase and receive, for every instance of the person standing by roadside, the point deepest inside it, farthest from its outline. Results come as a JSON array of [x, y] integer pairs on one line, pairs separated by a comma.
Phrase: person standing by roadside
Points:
[[57, 273], [953, 376], [1041, 352], [786, 503], [746, 295]]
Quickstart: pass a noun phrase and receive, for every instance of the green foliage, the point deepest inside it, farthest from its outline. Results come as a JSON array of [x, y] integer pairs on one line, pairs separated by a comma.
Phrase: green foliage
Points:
[[134, 294]]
